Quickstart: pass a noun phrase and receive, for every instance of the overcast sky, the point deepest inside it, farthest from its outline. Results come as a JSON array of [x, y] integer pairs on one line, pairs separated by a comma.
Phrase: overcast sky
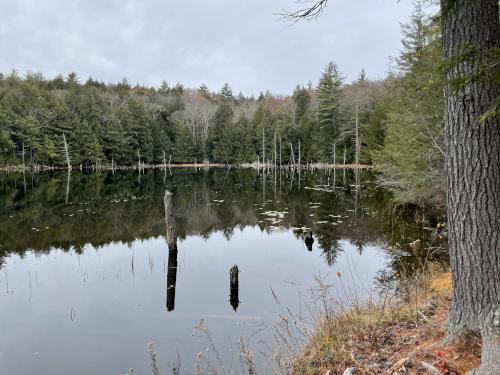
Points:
[[241, 42]]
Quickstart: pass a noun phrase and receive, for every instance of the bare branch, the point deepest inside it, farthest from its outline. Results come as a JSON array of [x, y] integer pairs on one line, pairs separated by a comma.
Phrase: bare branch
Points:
[[313, 11]]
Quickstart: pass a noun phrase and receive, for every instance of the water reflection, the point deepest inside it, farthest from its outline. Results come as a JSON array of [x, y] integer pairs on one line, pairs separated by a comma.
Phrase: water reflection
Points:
[[234, 287], [309, 240], [92, 230], [103, 208]]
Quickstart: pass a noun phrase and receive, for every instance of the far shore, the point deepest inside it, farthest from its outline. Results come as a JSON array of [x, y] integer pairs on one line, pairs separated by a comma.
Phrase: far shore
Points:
[[108, 167]]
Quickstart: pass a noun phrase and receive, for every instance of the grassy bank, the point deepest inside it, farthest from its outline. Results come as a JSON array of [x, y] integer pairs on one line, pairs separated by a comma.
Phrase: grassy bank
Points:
[[400, 335]]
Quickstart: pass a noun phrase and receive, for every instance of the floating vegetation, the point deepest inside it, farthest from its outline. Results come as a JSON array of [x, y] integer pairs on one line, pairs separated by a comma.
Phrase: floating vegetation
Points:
[[277, 214], [275, 228], [320, 188]]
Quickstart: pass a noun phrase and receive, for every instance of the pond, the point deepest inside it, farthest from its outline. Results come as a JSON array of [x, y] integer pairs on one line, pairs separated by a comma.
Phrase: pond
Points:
[[95, 266]]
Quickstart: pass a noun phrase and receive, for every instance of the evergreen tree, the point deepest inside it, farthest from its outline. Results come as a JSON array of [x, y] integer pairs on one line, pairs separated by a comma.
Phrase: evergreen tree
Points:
[[244, 150], [226, 92], [374, 130], [328, 111], [411, 161], [203, 91], [221, 135], [72, 79], [362, 79], [164, 88], [302, 100], [263, 133]]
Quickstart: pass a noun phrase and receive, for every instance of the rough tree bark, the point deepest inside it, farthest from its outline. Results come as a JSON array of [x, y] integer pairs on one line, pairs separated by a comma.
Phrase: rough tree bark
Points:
[[470, 32]]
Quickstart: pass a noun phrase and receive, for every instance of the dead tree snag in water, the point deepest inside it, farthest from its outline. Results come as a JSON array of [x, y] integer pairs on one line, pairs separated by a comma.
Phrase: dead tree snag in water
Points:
[[172, 250]]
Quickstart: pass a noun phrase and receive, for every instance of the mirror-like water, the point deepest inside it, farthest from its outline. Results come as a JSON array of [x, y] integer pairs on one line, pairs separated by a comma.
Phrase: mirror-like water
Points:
[[96, 266]]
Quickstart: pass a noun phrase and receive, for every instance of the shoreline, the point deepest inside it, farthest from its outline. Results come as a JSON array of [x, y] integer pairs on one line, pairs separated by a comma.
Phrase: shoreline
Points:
[[107, 167], [395, 337]]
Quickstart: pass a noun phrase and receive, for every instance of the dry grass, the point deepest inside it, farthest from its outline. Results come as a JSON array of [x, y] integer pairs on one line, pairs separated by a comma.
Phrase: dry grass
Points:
[[389, 334], [441, 283], [381, 336]]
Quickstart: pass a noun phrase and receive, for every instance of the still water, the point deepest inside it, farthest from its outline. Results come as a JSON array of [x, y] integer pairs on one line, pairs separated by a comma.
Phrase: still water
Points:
[[93, 268]]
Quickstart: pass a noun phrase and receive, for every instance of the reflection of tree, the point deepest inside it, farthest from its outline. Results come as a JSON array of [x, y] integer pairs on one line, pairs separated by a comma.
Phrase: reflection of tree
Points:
[[331, 251], [234, 287], [360, 244], [309, 240], [105, 207], [171, 279], [228, 233]]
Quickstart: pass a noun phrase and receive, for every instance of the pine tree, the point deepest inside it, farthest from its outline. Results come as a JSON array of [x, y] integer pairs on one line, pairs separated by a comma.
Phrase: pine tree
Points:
[[302, 100], [374, 130], [328, 111], [361, 104], [203, 91], [362, 78], [226, 92], [221, 134], [164, 88], [411, 161]]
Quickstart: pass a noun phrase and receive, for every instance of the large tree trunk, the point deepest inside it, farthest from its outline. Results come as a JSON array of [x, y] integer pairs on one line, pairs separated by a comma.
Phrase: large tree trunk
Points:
[[470, 33]]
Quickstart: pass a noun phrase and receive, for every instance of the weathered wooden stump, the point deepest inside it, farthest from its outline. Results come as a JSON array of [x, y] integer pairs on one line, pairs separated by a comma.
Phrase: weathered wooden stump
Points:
[[172, 250]]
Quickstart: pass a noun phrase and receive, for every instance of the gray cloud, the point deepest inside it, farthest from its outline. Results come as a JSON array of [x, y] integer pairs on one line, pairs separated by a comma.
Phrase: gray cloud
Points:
[[241, 42]]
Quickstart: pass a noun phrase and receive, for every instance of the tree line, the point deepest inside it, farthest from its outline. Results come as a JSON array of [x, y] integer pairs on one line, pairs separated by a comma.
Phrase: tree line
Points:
[[395, 123], [120, 123]]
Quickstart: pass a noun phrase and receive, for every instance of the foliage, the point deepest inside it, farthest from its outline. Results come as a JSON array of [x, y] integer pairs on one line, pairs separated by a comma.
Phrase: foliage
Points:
[[120, 124], [396, 124], [328, 111], [412, 157], [302, 101]]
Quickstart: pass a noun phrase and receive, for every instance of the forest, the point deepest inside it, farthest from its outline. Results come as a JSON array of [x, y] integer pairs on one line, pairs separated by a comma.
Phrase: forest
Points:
[[395, 124], [288, 174]]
